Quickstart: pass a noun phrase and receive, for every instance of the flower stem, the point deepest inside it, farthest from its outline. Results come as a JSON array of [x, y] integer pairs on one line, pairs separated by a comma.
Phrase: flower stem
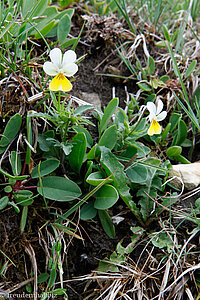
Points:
[[59, 100]]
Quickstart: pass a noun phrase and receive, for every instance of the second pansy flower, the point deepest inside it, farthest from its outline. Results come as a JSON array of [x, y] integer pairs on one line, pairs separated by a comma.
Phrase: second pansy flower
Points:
[[155, 115], [60, 67]]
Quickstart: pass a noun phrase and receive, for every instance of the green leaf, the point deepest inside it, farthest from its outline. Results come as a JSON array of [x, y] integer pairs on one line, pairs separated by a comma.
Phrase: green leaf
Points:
[[52, 277], [174, 151], [196, 95], [43, 141], [15, 163], [45, 30], [43, 277], [111, 165], [23, 218], [164, 78], [174, 119], [162, 240], [29, 137], [109, 137], [166, 33], [147, 205], [166, 131], [128, 153], [14, 205], [88, 168], [13, 177], [8, 189], [182, 133], [88, 211], [27, 6], [96, 178], [59, 189], [108, 112], [144, 86], [78, 152], [181, 159], [63, 29], [37, 9], [92, 153], [137, 173], [46, 167], [3, 202], [151, 65], [58, 291], [81, 109], [80, 128], [23, 197], [161, 44], [190, 68], [10, 131], [106, 197], [188, 111], [106, 223]]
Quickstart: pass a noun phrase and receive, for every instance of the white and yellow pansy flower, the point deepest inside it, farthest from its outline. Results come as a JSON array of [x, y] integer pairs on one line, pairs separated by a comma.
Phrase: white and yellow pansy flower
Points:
[[155, 115], [60, 67]]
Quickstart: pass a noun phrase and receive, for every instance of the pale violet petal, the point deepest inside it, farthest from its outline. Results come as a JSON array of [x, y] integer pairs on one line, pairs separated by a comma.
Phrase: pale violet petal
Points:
[[161, 116], [50, 68], [159, 106], [69, 57], [151, 107], [56, 57], [70, 69]]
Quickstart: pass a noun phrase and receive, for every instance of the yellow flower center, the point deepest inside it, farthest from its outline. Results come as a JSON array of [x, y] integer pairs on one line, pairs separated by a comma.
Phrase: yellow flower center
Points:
[[60, 83], [154, 128]]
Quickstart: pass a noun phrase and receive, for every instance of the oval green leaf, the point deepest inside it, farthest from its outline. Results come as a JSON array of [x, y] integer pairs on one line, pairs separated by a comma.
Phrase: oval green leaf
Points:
[[107, 223], [144, 86], [3, 202], [88, 211], [79, 128], [96, 178], [23, 197], [46, 167], [59, 189], [106, 197], [151, 65], [109, 137], [15, 163], [174, 151], [137, 173], [190, 68], [11, 130], [78, 152], [63, 29], [108, 112]]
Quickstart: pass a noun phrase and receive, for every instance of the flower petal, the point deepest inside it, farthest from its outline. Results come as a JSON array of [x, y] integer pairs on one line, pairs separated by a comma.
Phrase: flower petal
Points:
[[151, 107], [150, 130], [60, 83], [50, 68], [69, 57], [56, 57], [70, 69], [159, 106], [154, 128], [161, 116], [151, 117]]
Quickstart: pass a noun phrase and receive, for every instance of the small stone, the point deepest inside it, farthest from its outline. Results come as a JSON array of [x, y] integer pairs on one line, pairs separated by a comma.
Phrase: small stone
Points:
[[92, 98], [189, 174]]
